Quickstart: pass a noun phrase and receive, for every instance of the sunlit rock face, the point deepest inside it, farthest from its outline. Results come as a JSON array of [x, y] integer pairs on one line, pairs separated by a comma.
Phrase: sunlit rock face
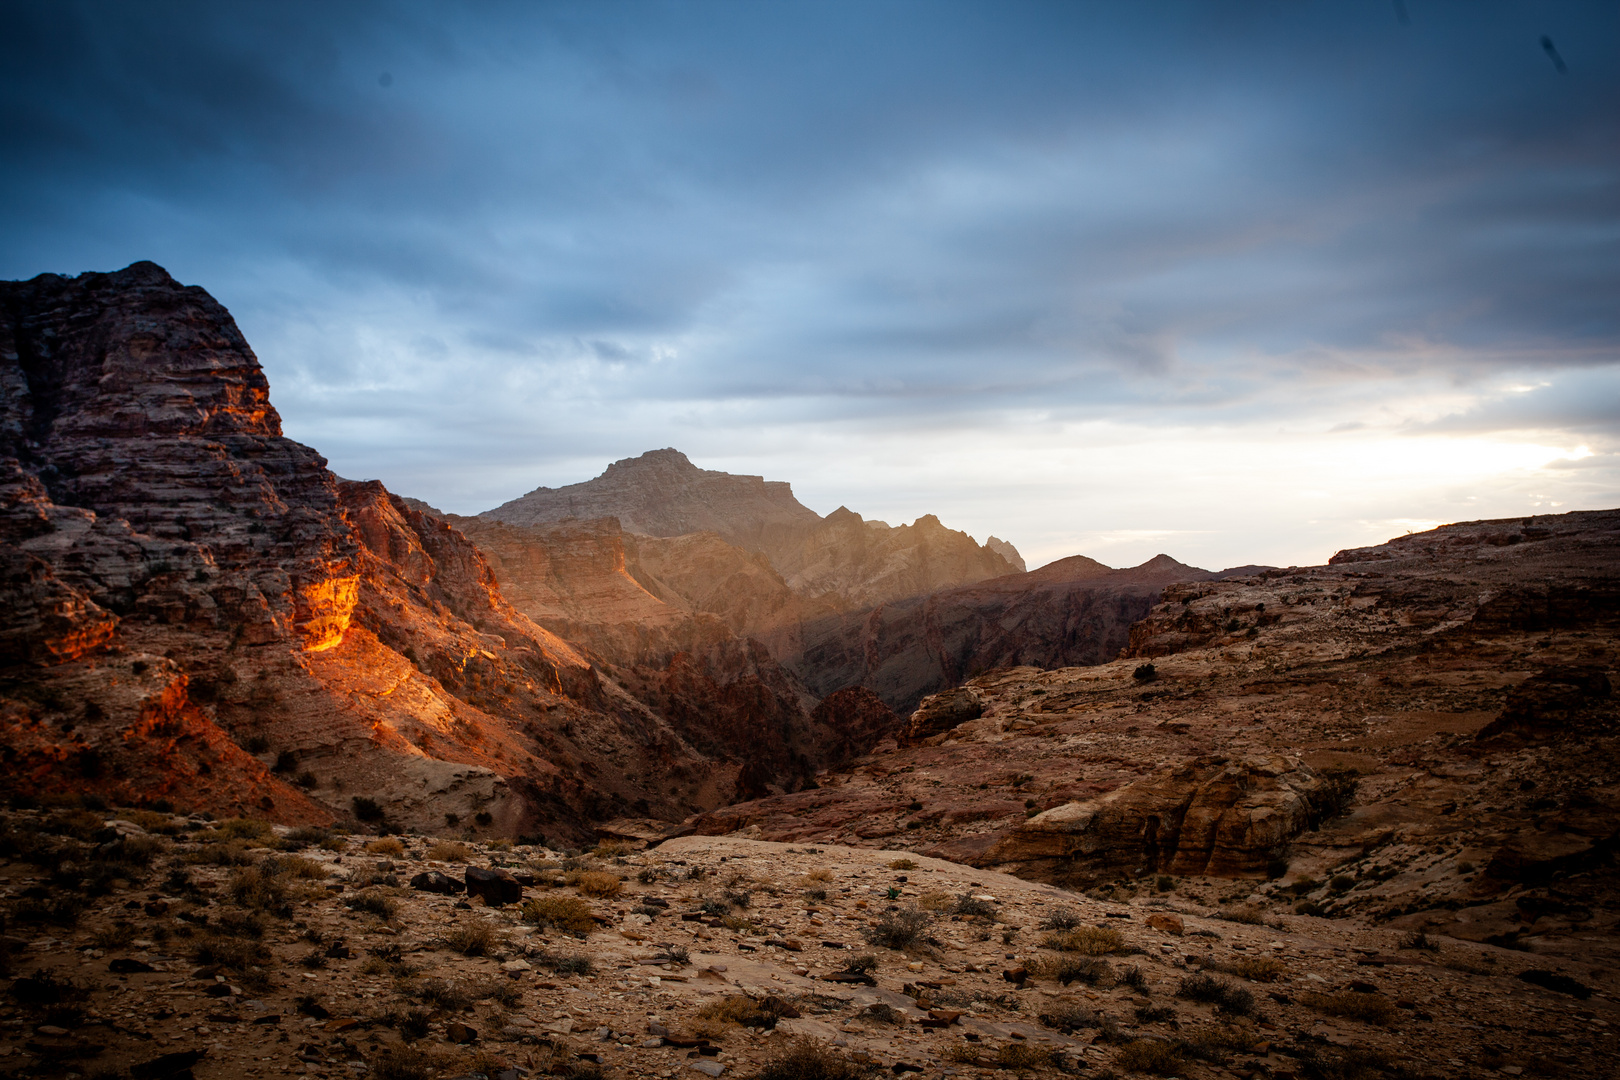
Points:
[[162, 487], [199, 612]]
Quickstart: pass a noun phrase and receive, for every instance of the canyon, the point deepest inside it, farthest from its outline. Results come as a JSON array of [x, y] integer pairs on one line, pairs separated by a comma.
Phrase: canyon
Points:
[[1413, 743]]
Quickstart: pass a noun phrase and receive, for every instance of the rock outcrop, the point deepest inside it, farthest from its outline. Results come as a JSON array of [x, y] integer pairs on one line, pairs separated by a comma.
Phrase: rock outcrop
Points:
[[1213, 816]]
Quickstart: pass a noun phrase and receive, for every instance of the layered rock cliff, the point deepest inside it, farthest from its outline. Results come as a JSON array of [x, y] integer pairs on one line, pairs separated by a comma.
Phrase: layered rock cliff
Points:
[[200, 612]]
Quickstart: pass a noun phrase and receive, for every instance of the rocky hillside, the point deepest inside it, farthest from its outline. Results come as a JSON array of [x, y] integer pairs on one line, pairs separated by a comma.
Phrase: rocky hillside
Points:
[[200, 613], [1420, 735], [233, 950]]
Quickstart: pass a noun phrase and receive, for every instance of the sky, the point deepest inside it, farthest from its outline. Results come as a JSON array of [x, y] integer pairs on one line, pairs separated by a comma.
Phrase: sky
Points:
[[1239, 282]]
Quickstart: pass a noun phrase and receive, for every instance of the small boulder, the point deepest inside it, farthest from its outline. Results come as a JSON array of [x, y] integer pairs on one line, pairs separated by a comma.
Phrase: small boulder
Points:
[[1165, 923], [434, 882], [497, 887]]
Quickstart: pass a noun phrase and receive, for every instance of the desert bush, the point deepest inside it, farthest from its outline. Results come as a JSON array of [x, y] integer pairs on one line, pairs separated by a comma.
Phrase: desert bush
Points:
[[883, 1013], [568, 963], [1151, 1056], [739, 923], [1218, 992], [386, 846], [1253, 968], [1154, 1014], [258, 887], [242, 924], [968, 906], [568, 913], [1061, 918], [372, 903], [504, 992], [1069, 1017], [141, 850], [612, 849], [221, 853], [238, 954], [1247, 914], [805, 1059], [819, 874], [449, 851], [116, 936], [936, 900], [244, 829], [1024, 1056], [903, 930], [403, 1062], [1134, 978], [903, 864], [441, 994], [1368, 1008], [1348, 1063], [412, 1024], [1072, 969], [366, 809], [1332, 796], [863, 962], [471, 939], [744, 1011], [599, 884], [1088, 940]]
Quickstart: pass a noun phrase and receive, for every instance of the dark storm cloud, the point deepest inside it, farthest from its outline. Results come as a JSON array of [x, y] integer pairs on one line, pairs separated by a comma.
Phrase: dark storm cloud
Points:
[[458, 216]]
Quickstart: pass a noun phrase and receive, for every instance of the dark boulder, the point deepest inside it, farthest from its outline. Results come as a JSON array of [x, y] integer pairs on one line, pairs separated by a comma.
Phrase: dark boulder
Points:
[[497, 887], [434, 882]]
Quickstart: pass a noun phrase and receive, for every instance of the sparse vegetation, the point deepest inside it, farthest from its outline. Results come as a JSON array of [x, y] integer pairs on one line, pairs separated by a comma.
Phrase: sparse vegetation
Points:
[[372, 903], [387, 847], [568, 913], [1088, 940], [471, 939], [905, 864], [805, 1059], [903, 930], [1061, 918], [1247, 914], [600, 885], [1253, 968], [1072, 969], [1153, 1056], [1218, 992], [1368, 1008]]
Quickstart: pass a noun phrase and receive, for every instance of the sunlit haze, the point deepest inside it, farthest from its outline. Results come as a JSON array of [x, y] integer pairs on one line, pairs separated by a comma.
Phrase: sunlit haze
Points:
[[1241, 283]]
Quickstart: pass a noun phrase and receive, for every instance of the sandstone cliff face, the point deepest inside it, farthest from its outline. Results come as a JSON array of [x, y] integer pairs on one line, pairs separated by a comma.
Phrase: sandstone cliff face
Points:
[[1208, 816]]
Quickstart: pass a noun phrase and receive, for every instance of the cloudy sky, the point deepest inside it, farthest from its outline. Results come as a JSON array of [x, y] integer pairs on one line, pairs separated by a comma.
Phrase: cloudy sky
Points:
[[1241, 282]]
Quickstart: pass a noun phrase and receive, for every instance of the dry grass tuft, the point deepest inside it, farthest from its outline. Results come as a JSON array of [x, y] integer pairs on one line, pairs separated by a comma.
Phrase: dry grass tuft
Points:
[[903, 864], [819, 874], [806, 1059], [1253, 968], [1247, 914], [386, 846], [471, 939], [1087, 940], [449, 851], [1368, 1008], [936, 900], [1151, 1056], [568, 913], [600, 885]]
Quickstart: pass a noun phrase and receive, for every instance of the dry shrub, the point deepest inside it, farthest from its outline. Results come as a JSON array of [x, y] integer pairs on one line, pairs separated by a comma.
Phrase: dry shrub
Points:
[[1151, 1056], [806, 1059], [903, 930], [1253, 968], [152, 821], [221, 852], [819, 874], [1087, 940], [1218, 992], [245, 829], [296, 866], [1061, 918], [1247, 914], [568, 913], [235, 953], [600, 885], [1025, 1056], [402, 1062], [1069, 1017], [372, 903], [936, 900], [471, 939], [612, 849], [386, 846], [1072, 969], [259, 888], [141, 850], [743, 1011], [449, 851], [1368, 1008], [903, 864]]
